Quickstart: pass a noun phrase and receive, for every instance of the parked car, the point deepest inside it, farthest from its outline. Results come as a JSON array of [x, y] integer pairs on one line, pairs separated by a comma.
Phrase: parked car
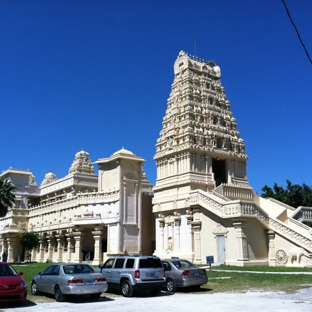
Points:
[[183, 273], [64, 279], [134, 273], [12, 286]]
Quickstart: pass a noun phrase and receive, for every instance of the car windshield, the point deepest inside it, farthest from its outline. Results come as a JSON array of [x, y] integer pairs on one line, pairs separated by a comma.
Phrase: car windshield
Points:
[[150, 263], [77, 268], [7, 270]]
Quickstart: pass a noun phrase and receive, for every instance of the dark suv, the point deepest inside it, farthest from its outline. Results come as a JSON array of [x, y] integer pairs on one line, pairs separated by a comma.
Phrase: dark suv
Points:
[[131, 273]]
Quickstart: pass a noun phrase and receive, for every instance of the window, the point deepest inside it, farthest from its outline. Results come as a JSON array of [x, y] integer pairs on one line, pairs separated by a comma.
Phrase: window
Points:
[[167, 266], [150, 263], [48, 271], [119, 263], [109, 264], [130, 263]]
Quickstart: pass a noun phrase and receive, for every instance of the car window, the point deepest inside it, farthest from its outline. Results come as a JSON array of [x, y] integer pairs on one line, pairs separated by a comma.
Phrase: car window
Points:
[[78, 269], [68, 269], [166, 266], [48, 270], [130, 263], [119, 263], [186, 264], [87, 269], [4, 270], [150, 263], [55, 270], [177, 264], [109, 264]]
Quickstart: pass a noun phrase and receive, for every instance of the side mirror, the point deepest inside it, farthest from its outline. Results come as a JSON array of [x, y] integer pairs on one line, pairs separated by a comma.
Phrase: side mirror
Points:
[[20, 273]]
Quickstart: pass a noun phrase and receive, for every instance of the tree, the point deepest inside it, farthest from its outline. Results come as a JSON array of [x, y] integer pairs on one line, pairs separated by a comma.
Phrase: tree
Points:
[[294, 195], [29, 240], [7, 197]]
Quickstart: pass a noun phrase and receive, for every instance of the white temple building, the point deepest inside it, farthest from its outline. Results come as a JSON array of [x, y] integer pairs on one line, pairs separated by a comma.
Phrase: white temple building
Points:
[[201, 207], [83, 216]]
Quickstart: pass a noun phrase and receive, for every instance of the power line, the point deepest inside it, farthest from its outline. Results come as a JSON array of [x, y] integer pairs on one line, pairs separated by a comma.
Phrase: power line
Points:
[[305, 49]]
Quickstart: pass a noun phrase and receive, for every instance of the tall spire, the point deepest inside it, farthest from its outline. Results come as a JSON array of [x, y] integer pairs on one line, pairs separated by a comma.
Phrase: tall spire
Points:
[[199, 143]]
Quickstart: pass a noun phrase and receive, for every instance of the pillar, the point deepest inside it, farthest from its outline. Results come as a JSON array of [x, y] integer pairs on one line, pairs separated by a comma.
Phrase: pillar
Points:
[[78, 236], [241, 239], [97, 235], [70, 247], [272, 255]]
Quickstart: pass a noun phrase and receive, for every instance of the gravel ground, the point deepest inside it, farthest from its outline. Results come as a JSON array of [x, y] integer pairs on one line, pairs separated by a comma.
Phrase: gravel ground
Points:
[[234, 302]]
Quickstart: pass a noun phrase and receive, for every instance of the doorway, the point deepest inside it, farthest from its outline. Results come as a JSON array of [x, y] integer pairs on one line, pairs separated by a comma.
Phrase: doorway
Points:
[[221, 249], [218, 168]]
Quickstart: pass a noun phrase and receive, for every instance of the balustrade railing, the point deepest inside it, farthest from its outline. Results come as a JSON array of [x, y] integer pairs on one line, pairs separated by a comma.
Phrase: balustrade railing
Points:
[[76, 201], [239, 208]]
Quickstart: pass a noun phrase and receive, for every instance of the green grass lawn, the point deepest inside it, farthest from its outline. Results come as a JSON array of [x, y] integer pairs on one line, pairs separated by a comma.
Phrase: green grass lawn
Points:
[[218, 281]]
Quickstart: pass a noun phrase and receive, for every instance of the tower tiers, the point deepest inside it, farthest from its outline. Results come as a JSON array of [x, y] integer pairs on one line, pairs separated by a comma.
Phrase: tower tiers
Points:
[[199, 146]]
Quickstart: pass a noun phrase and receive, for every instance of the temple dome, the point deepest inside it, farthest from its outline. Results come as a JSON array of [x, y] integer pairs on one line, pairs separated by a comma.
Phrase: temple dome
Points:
[[123, 151], [49, 178], [81, 164]]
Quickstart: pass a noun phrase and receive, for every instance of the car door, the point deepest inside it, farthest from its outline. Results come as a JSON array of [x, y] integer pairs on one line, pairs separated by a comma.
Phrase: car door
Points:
[[117, 271], [44, 280], [167, 268], [107, 271], [52, 279]]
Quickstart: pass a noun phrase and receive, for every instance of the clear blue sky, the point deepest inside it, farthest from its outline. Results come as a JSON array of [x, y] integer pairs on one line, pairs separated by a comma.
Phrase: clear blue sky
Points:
[[97, 74]]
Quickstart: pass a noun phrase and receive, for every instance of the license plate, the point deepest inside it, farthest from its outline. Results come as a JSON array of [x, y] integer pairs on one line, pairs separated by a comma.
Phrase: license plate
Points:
[[89, 281], [151, 274]]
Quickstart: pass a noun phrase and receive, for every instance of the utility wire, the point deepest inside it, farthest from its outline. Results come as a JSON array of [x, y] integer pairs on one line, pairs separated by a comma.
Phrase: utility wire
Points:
[[305, 49]]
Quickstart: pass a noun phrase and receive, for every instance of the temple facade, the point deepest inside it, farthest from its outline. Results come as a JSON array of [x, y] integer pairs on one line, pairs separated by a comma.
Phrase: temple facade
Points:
[[83, 216], [203, 203], [201, 207]]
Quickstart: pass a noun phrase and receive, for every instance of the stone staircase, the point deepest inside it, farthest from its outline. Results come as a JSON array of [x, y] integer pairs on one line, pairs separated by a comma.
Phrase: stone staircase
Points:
[[274, 215]]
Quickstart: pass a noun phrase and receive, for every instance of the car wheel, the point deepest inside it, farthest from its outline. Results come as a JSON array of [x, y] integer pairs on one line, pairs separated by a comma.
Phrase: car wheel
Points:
[[155, 291], [170, 285], [34, 288], [95, 296], [126, 289], [58, 295]]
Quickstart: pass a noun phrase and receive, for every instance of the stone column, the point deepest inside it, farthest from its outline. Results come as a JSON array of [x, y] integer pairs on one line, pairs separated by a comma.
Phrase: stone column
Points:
[[272, 256], [196, 226], [241, 240], [189, 243], [70, 247], [11, 241], [97, 235], [60, 247], [4, 245], [161, 244], [42, 249], [78, 236], [50, 248], [177, 225]]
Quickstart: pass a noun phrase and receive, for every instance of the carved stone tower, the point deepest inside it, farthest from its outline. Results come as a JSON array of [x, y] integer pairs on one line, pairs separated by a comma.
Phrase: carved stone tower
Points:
[[199, 146]]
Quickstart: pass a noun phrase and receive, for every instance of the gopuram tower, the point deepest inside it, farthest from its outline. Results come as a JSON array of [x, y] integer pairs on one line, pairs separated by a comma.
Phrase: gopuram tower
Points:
[[199, 148]]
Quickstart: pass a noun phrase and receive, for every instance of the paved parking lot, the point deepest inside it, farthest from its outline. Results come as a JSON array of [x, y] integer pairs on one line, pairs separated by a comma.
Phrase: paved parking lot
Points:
[[234, 302]]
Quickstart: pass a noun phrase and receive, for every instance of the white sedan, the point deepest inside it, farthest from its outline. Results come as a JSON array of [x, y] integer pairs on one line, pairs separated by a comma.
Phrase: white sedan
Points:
[[64, 279]]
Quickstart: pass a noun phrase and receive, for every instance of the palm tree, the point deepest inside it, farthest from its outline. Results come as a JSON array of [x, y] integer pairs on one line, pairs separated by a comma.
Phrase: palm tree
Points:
[[7, 197]]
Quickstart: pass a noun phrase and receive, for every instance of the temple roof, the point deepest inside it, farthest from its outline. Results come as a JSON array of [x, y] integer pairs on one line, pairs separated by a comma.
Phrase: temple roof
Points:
[[81, 164]]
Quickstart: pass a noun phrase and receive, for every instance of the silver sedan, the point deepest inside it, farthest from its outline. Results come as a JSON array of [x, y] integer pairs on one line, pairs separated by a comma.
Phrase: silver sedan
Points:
[[64, 279], [183, 273]]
